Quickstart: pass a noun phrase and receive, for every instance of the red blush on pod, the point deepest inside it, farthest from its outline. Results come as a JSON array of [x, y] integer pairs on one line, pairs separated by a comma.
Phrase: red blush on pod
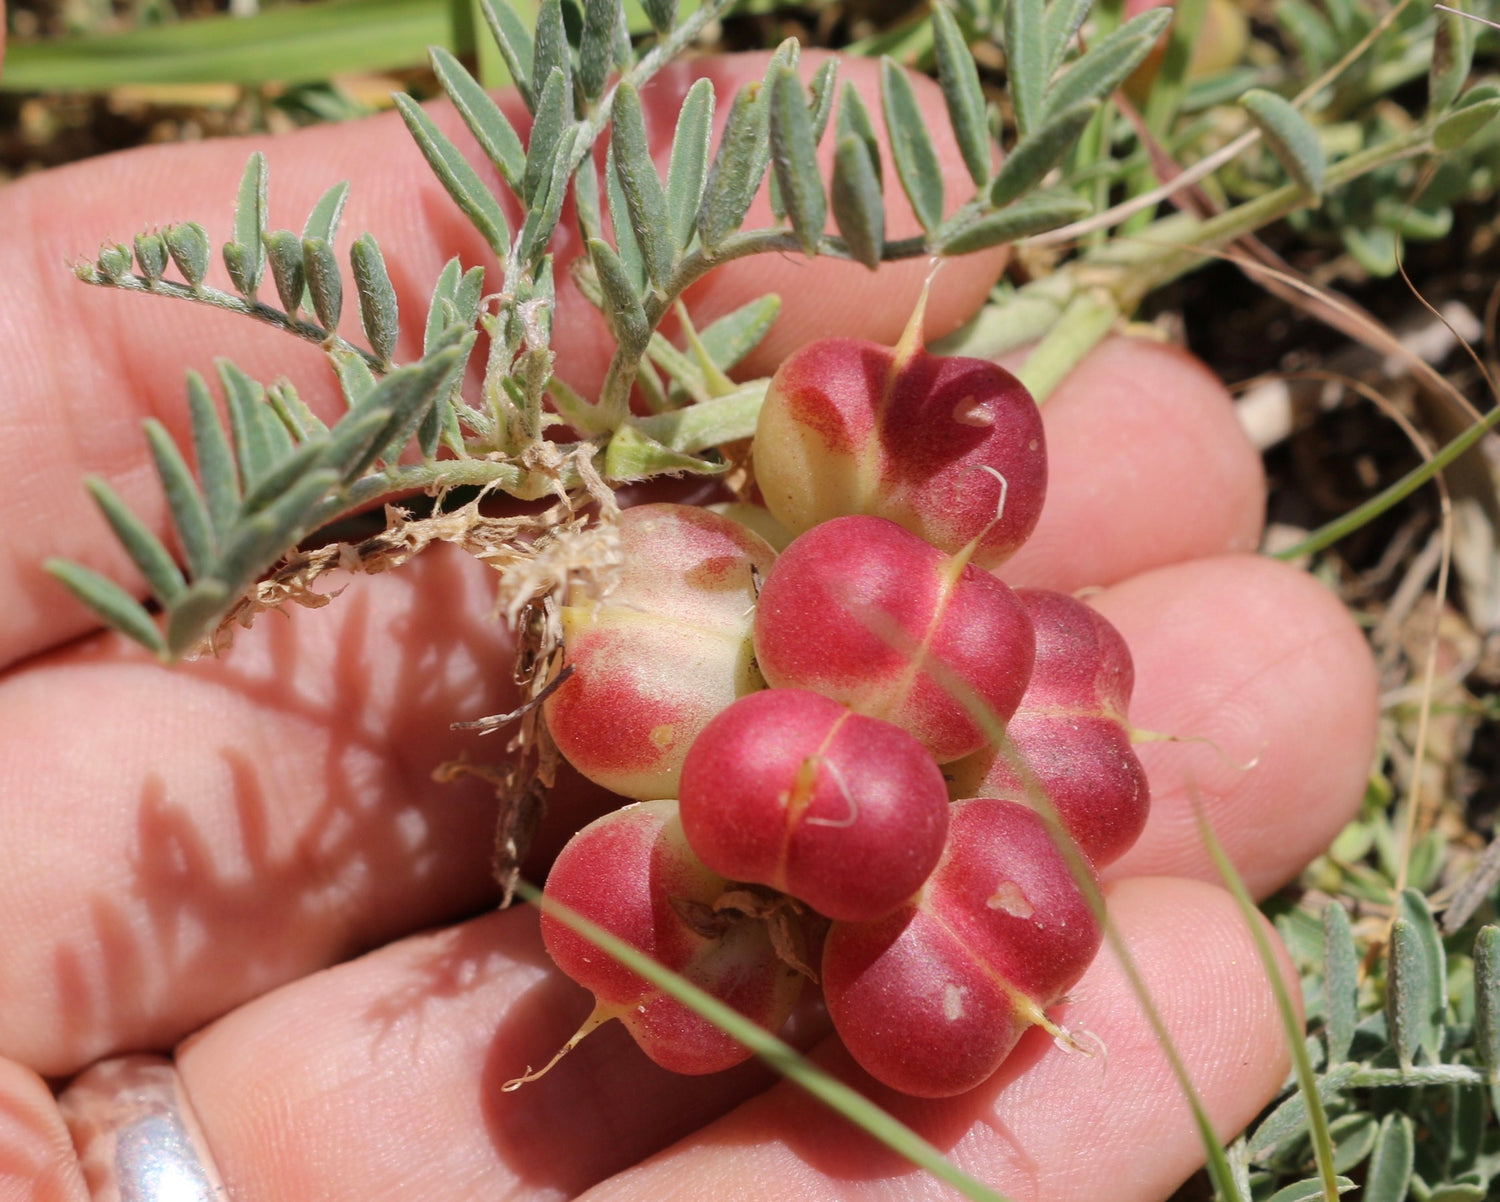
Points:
[[932, 998], [633, 873], [667, 649], [789, 789], [1070, 731], [863, 611]]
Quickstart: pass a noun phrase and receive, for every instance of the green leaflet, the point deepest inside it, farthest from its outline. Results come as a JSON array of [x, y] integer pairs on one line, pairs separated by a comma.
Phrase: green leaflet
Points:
[[958, 76], [1026, 59], [912, 151], [188, 245], [645, 202], [245, 256], [858, 205], [688, 168], [477, 202], [1039, 152], [284, 254], [1341, 982], [325, 284], [145, 549], [794, 157], [491, 128], [630, 326], [1290, 138], [378, 310], [112, 604], [185, 502], [1391, 1163], [733, 178], [1108, 62]]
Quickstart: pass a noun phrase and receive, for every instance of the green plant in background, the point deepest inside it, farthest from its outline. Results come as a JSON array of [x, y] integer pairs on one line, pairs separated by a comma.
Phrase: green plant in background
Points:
[[1404, 1055]]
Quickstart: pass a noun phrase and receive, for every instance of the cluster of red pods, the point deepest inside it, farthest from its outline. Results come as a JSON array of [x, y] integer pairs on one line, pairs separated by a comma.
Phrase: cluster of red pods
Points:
[[854, 758]]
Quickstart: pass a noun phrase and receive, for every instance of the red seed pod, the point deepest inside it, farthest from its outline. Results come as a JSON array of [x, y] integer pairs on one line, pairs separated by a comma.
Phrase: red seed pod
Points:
[[789, 789], [665, 651], [937, 444], [633, 873], [863, 611], [931, 999], [1070, 730]]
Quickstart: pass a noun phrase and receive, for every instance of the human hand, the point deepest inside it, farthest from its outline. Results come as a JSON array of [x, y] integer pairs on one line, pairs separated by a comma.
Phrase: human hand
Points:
[[194, 842]]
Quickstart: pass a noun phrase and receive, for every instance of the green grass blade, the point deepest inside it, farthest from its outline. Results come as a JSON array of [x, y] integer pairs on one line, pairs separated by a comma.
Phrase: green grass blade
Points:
[[1291, 1025], [283, 44], [116, 608], [852, 1105]]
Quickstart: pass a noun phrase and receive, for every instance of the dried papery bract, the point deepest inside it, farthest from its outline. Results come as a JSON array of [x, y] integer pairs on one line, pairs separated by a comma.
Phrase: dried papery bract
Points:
[[665, 651], [863, 611], [1071, 731], [633, 873], [931, 999]]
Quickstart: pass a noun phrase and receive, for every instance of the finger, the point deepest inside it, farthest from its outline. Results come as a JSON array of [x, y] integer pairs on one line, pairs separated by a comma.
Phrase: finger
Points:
[[1048, 1126], [1261, 668], [1147, 466], [37, 1163], [381, 1078], [179, 840], [88, 365]]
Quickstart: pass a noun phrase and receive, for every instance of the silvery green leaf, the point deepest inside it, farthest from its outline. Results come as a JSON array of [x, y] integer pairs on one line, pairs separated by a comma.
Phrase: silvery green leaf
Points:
[[858, 206], [550, 51], [1290, 138], [196, 613], [586, 199], [151, 255], [1412, 906], [188, 245], [114, 261], [737, 168], [787, 54], [661, 13], [1034, 214], [323, 221], [1026, 60], [515, 43], [1407, 1003], [442, 309], [356, 380], [1353, 1138], [260, 440], [623, 307], [626, 245], [249, 228], [794, 155], [958, 76], [736, 334], [1460, 124], [645, 201], [490, 126], [1040, 151], [1487, 999], [1289, 1120], [378, 311], [324, 283], [1109, 61], [300, 421], [284, 475], [854, 121], [820, 89], [395, 404], [1060, 25], [407, 419], [1340, 982], [689, 164], [284, 253], [542, 220], [1389, 1176], [462, 184], [912, 151], [1452, 56], [189, 510], [1308, 1191], [259, 541], [1309, 31], [152, 559], [113, 605], [546, 135], [215, 458], [596, 46]]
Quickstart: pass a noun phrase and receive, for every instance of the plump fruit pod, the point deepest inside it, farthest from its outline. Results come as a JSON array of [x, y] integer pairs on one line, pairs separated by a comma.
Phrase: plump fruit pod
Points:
[[850, 426], [633, 873], [665, 651], [865, 612], [931, 999], [1070, 730], [789, 789]]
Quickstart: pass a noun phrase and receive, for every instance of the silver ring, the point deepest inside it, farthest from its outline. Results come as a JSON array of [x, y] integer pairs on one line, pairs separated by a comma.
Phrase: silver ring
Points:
[[136, 1136]]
